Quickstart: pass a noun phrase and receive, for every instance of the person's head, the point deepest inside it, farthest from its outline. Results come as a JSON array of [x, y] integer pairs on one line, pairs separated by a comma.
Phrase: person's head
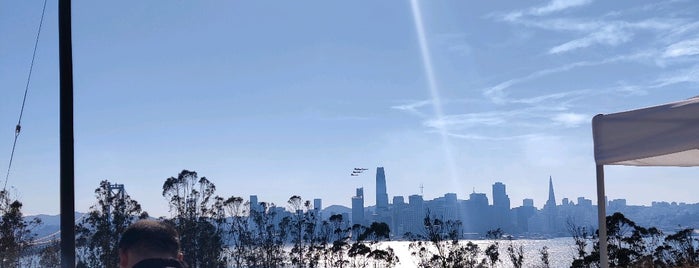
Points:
[[146, 239]]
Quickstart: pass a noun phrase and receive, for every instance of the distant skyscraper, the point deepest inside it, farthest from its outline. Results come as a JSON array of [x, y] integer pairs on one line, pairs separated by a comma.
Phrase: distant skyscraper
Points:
[[381, 194], [501, 207], [416, 214], [477, 209], [528, 202], [398, 200], [551, 202], [358, 207], [500, 198], [550, 211], [317, 204], [254, 204]]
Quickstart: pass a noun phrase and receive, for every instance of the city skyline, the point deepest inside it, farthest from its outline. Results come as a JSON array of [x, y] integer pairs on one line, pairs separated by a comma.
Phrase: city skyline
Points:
[[276, 99], [498, 189]]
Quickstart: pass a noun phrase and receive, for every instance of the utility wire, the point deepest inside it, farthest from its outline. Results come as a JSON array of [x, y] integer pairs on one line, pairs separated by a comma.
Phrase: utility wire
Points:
[[18, 128]]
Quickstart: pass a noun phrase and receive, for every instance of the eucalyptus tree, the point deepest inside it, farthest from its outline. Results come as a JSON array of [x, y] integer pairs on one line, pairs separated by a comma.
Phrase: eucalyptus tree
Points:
[[238, 234], [267, 237], [197, 215], [439, 246], [302, 229], [98, 233], [15, 231]]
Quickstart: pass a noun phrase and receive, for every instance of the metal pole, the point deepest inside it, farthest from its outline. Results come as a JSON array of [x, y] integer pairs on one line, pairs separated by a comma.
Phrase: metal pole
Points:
[[67, 185], [602, 218]]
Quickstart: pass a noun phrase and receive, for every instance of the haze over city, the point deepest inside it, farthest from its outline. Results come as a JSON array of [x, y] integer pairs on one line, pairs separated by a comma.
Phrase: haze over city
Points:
[[280, 99]]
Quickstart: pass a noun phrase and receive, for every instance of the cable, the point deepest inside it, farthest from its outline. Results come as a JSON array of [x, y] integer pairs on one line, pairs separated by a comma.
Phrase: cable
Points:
[[18, 128]]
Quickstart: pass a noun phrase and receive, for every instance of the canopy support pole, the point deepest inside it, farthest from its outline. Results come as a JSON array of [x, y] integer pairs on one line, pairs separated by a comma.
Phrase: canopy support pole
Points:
[[602, 218]]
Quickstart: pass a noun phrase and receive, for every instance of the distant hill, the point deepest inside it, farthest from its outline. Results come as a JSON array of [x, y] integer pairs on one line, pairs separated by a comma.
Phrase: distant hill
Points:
[[49, 223], [336, 209], [52, 223]]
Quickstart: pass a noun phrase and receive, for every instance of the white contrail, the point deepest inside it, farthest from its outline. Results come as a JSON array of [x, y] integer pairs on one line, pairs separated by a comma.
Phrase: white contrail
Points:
[[432, 84]]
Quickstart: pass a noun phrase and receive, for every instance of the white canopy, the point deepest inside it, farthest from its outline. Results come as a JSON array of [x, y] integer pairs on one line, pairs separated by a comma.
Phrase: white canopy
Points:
[[665, 135]]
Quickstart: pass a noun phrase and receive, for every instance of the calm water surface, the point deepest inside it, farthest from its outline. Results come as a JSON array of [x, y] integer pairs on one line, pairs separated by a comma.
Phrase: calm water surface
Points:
[[561, 251]]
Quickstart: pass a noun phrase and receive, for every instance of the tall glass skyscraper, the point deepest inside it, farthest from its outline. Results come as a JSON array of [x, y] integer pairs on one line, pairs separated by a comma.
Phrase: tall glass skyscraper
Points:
[[381, 194]]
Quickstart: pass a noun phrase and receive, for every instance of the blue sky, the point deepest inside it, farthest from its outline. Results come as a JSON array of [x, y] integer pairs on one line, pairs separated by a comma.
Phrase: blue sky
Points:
[[286, 97]]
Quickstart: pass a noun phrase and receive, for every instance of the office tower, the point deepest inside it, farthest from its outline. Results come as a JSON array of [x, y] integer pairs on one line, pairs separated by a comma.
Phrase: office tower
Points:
[[254, 204], [528, 202], [381, 194], [500, 198], [478, 213], [398, 200], [399, 215], [501, 207], [451, 207], [584, 202], [317, 204], [523, 214], [358, 207], [416, 214]]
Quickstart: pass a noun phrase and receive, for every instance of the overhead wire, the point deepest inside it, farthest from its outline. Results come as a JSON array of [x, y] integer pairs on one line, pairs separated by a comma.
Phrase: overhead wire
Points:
[[18, 128]]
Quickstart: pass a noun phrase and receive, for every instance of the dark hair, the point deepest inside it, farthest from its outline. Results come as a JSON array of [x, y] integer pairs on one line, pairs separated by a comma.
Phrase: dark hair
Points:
[[150, 236]]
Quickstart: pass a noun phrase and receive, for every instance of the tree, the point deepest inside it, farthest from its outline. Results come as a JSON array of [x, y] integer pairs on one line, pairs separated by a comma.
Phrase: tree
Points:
[[98, 234], [298, 230], [197, 218], [516, 254], [15, 232], [268, 238], [679, 249], [363, 252], [439, 245], [492, 252], [239, 235], [50, 255], [624, 240], [335, 237], [544, 257]]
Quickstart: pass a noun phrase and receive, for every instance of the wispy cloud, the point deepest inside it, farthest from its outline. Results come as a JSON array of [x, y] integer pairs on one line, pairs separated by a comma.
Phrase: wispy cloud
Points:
[[534, 117], [687, 75], [493, 138], [551, 7], [468, 120], [682, 48], [497, 94], [551, 97], [595, 31], [413, 107], [558, 5], [608, 35], [571, 119]]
